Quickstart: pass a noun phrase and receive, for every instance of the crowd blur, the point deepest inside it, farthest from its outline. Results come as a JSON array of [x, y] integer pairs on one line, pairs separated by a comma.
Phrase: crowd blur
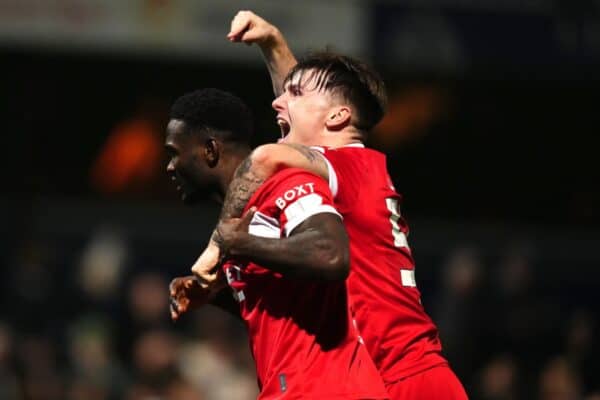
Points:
[[91, 323], [86, 317], [488, 126]]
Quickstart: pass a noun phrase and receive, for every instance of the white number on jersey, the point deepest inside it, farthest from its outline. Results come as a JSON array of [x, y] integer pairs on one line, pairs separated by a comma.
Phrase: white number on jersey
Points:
[[407, 276], [399, 236], [234, 274]]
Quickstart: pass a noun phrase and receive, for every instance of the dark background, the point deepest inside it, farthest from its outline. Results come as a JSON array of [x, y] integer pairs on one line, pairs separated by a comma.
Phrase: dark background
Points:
[[493, 147]]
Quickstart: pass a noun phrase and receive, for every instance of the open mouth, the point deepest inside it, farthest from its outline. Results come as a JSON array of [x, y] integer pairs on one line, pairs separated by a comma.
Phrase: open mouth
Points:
[[284, 127]]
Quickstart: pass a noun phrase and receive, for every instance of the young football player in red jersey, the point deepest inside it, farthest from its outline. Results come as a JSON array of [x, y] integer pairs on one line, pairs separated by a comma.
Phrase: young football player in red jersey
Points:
[[333, 101], [301, 333]]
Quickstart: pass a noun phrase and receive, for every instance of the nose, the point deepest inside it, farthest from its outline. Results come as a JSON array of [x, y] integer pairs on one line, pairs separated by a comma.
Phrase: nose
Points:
[[171, 167], [278, 103]]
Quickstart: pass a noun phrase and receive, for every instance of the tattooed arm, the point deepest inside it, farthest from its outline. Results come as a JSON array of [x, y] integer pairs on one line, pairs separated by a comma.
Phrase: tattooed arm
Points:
[[316, 249], [262, 163]]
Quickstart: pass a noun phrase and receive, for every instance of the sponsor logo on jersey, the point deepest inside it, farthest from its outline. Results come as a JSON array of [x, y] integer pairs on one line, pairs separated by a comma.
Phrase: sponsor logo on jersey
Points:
[[292, 194]]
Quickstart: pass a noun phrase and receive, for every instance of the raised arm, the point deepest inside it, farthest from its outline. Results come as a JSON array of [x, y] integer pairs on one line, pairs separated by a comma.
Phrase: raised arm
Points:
[[247, 27]]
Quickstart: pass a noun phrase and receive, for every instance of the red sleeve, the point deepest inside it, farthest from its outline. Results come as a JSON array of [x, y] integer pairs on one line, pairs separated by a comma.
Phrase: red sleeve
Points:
[[295, 195], [343, 179]]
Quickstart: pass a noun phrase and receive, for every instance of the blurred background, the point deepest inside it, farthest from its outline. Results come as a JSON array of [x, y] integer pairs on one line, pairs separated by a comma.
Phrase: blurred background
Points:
[[491, 137]]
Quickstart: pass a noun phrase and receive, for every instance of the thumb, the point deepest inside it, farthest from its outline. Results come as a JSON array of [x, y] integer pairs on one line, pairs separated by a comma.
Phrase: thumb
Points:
[[246, 219], [239, 26], [189, 283], [250, 36]]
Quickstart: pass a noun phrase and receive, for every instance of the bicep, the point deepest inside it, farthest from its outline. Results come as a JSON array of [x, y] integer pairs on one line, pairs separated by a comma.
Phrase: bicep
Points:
[[325, 239], [328, 224]]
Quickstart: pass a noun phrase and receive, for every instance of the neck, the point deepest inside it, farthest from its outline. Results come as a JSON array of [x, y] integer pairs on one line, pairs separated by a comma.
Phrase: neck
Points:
[[230, 164], [341, 138]]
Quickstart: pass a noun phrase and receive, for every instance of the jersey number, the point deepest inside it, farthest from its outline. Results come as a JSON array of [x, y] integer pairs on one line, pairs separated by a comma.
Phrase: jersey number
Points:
[[234, 274], [399, 236], [407, 276]]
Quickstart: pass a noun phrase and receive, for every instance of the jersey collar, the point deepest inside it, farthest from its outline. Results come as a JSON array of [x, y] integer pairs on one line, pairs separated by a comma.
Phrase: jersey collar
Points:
[[357, 144], [322, 149]]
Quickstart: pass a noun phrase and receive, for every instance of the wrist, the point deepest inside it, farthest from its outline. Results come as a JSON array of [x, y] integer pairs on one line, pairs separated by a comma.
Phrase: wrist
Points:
[[235, 243], [273, 41]]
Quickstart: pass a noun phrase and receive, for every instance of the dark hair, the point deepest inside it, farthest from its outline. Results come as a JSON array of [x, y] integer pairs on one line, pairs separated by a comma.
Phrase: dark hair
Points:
[[216, 110], [353, 80]]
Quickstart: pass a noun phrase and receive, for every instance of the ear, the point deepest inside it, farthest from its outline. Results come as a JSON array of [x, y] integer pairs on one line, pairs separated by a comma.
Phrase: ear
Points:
[[212, 152], [338, 118]]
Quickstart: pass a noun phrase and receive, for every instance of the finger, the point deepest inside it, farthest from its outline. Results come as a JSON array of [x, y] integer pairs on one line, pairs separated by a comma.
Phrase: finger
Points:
[[250, 213], [205, 285], [246, 219], [208, 283], [182, 306], [250, 35], [189, 283], [204, 276], [173, 286], [239, 25], [173, 308]]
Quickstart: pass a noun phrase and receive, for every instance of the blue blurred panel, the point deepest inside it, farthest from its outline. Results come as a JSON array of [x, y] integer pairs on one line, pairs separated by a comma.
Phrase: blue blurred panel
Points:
[[458, 39]]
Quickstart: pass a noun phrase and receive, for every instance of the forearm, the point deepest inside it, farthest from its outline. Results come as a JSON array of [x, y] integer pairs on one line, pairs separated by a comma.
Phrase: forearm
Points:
[[279, 60], [309, 254]]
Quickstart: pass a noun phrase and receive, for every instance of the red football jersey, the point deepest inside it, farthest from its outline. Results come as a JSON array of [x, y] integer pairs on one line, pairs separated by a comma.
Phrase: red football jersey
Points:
[[400, 336], [301, 333]]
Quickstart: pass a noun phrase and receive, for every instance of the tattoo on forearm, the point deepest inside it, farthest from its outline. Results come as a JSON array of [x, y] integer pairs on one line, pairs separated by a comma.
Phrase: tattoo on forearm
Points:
[[307, 152], [242, 187], [245, 182], [317, 162]]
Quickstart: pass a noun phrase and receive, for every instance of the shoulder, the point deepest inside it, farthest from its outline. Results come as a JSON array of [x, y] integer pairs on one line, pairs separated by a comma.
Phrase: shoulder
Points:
[[293, 195], [288, 185]]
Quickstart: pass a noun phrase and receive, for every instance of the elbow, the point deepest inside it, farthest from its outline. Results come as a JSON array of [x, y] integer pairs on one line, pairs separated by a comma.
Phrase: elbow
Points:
[[265, 159], [337, 264]]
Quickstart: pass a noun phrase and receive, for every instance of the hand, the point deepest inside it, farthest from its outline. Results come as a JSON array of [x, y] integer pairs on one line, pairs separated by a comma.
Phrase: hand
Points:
[[205, 268], [228, 230], [249, 28], [185, 293]]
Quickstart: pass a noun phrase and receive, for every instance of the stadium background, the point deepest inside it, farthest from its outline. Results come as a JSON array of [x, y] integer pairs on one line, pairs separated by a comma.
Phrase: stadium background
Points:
[[491, 137]]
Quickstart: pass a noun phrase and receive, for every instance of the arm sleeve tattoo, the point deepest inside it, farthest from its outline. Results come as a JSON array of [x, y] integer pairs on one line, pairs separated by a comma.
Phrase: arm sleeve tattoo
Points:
[[245, 181], [310, 154], [243, 185]]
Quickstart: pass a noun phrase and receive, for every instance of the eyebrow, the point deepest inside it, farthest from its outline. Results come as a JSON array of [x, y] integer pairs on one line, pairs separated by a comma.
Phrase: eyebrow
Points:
[[292, 86]]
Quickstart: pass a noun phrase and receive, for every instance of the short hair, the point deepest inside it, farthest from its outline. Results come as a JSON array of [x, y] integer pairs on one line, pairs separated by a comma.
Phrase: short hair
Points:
[[216, 110], [353, 80]]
